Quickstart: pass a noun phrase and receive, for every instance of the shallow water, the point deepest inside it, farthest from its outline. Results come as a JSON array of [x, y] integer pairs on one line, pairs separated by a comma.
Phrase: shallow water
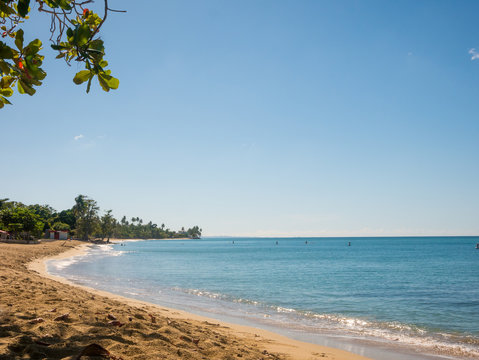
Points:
[[412, 295]]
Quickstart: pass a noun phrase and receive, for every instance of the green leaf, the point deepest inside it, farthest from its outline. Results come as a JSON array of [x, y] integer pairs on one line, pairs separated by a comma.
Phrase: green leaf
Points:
[[1, 104], [19, 39], [89, 84], [81, 77], [38, 73], [33, 47], [6, 81], [70, 34], [103, 84], [20, 88], [23, 7], [29, 59], [59, 47], [6, 92], [6, 10], [83, 33], [65, 4], [111, 81], [4, 67], [26, 88], [97, 45], [52, 3], [35, 82], [6, 52]]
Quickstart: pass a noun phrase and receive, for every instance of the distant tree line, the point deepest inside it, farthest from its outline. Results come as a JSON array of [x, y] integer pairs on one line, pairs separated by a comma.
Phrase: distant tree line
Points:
[[83, 221]]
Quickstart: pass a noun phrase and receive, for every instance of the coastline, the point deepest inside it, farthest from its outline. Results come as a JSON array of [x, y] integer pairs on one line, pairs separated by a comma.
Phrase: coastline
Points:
[[249, 342], [371, 347]]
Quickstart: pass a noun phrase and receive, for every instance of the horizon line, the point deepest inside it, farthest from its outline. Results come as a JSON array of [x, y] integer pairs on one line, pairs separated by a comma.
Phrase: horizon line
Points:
[[334, 236]]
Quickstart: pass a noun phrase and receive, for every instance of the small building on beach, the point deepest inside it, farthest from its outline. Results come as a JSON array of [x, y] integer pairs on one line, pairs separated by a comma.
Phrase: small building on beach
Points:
[[4, 235], [57, 234]]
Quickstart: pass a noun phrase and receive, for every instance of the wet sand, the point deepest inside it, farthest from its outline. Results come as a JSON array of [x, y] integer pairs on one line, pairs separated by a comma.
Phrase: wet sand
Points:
[[46, 317]]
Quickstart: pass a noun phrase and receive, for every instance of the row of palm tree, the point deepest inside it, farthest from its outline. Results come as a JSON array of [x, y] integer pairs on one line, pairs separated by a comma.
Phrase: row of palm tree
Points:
[[83, 221]]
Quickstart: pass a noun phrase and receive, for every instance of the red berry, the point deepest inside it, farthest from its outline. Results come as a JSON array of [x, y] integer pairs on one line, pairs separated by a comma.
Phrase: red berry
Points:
[[85, 12], [20, 65]]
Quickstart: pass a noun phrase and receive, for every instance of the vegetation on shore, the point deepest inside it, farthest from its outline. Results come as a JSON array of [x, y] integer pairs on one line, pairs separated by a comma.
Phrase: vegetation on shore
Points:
[[83, 221]]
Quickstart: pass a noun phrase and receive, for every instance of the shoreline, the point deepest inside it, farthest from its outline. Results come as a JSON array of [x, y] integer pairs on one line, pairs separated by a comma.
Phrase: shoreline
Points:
[[366, 347], [371, 348], [273, 343], [116, 240]]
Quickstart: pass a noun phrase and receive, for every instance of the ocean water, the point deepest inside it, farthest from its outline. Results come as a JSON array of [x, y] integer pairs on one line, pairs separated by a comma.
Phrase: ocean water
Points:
[[386, 298]]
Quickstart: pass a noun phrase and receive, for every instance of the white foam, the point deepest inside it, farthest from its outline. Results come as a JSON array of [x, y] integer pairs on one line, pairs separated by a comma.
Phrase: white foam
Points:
[[63, 263], [395, 333], [106, 249], [95, 250]]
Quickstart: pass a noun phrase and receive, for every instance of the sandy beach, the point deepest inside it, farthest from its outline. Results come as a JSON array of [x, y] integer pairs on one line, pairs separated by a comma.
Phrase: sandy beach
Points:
[[45, 317]]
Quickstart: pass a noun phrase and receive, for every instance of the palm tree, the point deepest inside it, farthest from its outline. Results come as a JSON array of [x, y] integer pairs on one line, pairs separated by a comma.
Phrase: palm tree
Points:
[[3, 202]]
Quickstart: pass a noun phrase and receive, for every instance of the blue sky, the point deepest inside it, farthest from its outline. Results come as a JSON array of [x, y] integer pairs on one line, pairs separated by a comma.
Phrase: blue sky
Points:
[[264, 118]]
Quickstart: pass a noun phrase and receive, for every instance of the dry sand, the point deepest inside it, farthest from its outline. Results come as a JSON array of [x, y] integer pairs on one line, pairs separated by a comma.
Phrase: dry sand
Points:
[[45, 317]]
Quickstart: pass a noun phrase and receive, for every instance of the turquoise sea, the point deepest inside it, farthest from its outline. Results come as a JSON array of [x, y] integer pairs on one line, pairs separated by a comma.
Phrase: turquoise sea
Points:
[[386, 298]]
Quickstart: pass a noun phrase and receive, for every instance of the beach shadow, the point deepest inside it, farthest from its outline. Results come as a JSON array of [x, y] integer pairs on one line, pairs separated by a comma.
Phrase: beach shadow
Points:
[[98, 338]]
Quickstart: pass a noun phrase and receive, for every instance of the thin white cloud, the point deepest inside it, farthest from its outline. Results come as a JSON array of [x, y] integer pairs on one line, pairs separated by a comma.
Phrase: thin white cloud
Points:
[[78, 137], [474, 53]]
